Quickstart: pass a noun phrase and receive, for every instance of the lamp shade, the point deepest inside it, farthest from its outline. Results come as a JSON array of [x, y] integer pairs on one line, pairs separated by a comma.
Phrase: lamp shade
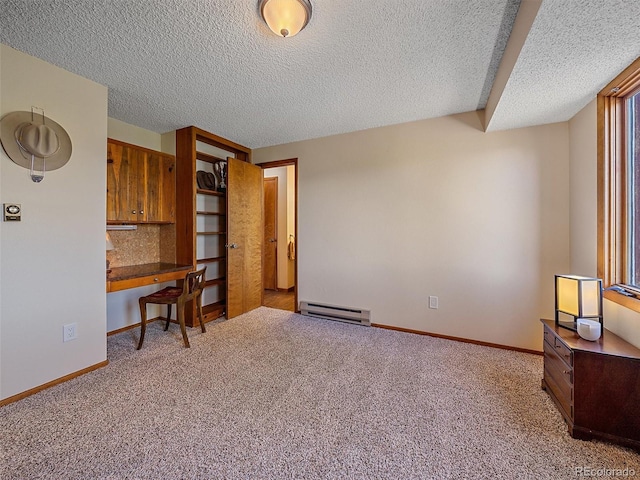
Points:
[[578, 297], [109, 242], [286, 17]]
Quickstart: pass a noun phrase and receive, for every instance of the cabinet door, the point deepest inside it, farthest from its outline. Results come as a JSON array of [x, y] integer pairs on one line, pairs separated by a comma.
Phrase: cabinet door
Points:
[[122, 183], [244, 237], [159, 189], [141, 185]]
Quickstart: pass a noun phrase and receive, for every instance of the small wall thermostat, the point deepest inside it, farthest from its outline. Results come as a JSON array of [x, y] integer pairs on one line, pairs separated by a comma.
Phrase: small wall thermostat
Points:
[[12, 212]]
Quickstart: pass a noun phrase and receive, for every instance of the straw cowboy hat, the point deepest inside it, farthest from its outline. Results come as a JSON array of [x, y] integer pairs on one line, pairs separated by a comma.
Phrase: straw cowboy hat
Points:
[[25, 134]]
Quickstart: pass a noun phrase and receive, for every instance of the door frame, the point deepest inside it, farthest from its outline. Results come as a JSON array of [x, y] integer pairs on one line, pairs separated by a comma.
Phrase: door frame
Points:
[[276, 234], [286, 163]]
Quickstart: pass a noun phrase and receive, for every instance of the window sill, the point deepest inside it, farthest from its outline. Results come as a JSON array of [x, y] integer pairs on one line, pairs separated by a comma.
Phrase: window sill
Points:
[[628, 302]]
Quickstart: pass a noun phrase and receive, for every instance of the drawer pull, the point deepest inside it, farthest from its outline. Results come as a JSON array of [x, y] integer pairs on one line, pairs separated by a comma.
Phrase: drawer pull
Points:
[[155, 279], [566, 371]]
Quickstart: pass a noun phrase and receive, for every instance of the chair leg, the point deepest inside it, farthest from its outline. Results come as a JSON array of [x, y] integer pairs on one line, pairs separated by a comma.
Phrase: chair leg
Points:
[[183, 327], [166, 326], [143, 321], [200, 316]]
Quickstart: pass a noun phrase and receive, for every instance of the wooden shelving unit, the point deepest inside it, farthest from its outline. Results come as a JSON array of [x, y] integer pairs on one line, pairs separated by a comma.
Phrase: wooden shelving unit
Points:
[[201, 220]]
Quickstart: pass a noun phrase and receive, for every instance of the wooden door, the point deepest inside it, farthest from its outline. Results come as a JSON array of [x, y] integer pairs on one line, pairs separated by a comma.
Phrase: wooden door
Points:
[[122, 183], [244, 237], [160, 188], [270, 264]]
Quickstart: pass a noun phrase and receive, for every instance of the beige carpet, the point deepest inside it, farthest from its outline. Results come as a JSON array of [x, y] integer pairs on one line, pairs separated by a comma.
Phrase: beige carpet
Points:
[[272, 395]]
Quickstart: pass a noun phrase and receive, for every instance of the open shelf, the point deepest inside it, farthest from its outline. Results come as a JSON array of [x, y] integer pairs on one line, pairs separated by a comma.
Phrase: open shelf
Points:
[[210, 259], [215, 281], [210, 192], [213, 310], [221, 214], [205, 157]]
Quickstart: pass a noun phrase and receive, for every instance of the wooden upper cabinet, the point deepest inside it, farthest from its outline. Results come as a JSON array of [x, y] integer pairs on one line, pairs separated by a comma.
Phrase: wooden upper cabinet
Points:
[[141, 184], [160, 188]]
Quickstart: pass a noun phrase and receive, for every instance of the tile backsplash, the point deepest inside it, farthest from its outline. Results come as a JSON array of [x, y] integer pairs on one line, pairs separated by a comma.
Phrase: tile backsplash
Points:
[[147, 244]]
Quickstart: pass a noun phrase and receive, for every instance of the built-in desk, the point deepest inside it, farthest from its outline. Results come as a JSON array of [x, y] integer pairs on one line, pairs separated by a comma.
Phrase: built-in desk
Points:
[[122, 278]]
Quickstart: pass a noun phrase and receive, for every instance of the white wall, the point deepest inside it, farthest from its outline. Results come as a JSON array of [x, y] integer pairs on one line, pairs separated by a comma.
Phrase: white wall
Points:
[[584, 216], [52, 262], [391, 215], [584, 192], [125, 132]]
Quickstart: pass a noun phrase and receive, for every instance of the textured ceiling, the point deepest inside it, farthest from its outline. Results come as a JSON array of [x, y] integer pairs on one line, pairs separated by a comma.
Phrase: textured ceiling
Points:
[[574, 48], [357, 65]]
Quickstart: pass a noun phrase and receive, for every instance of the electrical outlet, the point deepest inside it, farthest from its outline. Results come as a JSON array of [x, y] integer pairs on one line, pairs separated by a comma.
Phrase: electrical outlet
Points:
[[433, 302], [69, 332]]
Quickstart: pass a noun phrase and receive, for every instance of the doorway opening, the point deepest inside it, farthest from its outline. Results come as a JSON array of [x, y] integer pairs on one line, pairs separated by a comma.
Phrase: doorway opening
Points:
[[280, 252]]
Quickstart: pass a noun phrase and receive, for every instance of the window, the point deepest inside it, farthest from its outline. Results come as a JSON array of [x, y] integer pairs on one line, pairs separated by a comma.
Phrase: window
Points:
[[619, 187]]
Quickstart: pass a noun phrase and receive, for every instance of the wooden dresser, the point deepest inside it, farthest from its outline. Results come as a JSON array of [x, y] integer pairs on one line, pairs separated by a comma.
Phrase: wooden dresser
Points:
[[595, 385]]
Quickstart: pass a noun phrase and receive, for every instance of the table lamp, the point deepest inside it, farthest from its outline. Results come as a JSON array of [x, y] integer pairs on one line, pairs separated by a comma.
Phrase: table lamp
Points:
[[577, 297]]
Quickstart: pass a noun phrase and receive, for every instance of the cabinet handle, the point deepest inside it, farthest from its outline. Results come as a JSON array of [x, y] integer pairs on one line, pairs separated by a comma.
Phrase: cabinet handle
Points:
[[141, 212], [133, 211], [566, 372], [155, 279]]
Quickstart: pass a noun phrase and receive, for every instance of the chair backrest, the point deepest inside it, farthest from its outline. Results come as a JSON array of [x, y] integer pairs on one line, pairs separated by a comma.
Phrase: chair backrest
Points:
[[193, 284]]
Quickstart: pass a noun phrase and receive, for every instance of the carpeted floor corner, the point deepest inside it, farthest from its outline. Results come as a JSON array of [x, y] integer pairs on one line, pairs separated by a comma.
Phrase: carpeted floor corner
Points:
[[272, 394]]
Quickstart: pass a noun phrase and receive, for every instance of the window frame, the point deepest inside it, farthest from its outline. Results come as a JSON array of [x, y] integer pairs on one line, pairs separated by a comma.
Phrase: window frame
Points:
[[612, 182]]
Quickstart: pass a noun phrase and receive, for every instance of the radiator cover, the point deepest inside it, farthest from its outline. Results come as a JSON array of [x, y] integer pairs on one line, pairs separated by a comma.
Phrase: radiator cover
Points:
[[358, 316]]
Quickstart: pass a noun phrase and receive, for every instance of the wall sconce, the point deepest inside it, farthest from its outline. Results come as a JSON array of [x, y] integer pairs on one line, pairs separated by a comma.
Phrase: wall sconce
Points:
[[577, 298], [285, 18]]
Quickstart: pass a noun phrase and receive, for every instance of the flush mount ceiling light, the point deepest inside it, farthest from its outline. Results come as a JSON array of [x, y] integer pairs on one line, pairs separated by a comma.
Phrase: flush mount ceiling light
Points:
[[285, 17]]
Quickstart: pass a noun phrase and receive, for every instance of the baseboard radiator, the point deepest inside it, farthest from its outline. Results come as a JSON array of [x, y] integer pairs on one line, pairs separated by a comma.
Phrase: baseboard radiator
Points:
[[333, 312]]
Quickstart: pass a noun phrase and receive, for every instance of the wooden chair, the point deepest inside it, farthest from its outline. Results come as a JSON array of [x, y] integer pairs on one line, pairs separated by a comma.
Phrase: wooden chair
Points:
[[191, 289]]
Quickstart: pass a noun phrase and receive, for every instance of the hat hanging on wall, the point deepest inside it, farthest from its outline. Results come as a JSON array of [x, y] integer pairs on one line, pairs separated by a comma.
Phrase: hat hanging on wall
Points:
[[35, 142]]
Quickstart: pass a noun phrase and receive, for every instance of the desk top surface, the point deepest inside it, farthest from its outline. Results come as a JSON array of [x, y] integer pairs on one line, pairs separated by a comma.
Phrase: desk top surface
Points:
[[135, 271]]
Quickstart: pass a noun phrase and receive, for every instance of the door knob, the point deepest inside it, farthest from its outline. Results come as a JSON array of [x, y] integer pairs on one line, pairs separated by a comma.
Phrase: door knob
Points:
[[232, 245], [272, 240]]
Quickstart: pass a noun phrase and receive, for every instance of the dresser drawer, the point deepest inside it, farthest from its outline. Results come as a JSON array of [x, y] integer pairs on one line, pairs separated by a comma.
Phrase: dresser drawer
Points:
[[563, 351], [558, 368], [559, 393], [558, 376]]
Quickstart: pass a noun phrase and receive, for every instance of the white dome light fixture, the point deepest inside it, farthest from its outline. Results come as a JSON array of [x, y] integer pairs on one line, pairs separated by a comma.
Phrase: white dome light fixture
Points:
[[285, 18]]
